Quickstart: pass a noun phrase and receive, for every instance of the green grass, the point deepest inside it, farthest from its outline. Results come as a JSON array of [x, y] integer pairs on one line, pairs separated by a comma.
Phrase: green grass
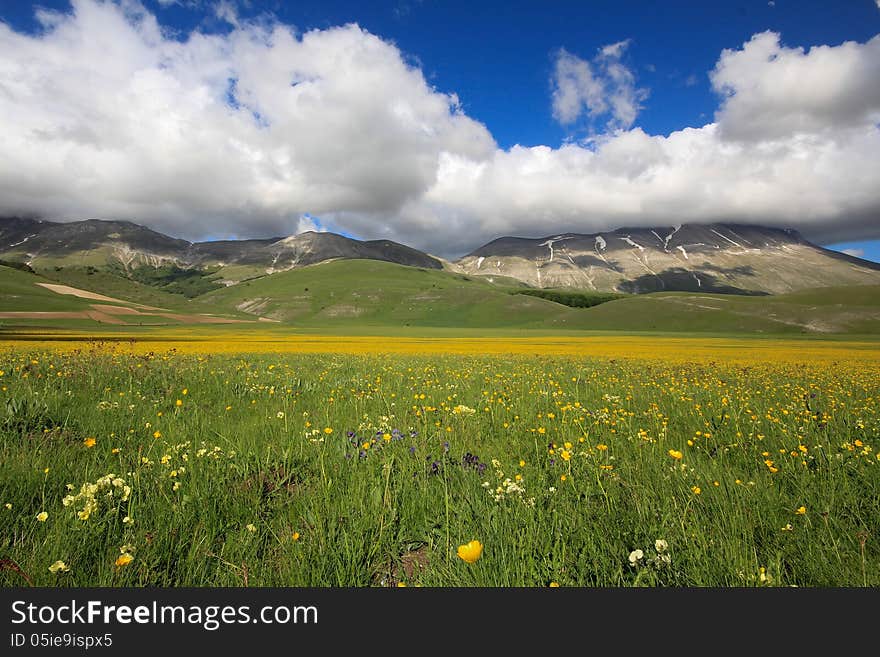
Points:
[[824, 310], [259, 450], [20, 292], [364, 297], [118, 287], [373, 293]]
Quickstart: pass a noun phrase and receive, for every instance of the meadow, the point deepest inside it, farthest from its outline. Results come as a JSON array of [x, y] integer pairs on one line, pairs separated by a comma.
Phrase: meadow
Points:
[[368, 461]]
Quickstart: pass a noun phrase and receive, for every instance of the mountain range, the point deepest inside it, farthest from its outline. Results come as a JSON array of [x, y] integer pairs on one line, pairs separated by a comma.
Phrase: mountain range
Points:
[[717, 258]]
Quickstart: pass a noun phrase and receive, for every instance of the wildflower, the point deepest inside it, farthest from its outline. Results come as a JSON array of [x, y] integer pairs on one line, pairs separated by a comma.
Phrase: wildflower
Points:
[[328, 430], [8, 505], [127, 520], [59, 567], [295, 536], [522, 463], [401, 585], [565, 454], [788, 528], [157, 434], [123, 560], [251, 527], [553, 585], [660, 545], [696, 490], [42, 516], [602, 447], [471, 551], [178, 403], [801, 510], [89, 442], [635, 557], [280, 415], [674, 453]]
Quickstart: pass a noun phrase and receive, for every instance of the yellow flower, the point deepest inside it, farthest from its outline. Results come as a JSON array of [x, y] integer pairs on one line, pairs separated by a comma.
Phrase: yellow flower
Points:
[[565, 454], [184, 391], [470, 552], [601, 447], [563, 478], [178, 403], [58, 567], [115, 450], [157, 434], [522, 463], [675, 454], [554, 585], [123, 560], [251, 527], [801, 510], [89, 442], [696, 489], [295, 536], [328, 430], [401, 585], [42, 516]]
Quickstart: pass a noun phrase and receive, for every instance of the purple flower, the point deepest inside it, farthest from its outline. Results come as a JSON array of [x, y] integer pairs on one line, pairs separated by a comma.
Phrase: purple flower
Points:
[[362, 454], [445, 446], [412, 450]]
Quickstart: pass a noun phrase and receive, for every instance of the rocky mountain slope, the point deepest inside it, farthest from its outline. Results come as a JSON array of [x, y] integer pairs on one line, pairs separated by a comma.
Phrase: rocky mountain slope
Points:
[[724, 258], [96, 243]]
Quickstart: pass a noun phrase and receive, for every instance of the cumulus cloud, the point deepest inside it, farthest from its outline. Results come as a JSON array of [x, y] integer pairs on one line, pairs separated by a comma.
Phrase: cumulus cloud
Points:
[[604, 86], [254, 131], [105, 116], [774, 92]]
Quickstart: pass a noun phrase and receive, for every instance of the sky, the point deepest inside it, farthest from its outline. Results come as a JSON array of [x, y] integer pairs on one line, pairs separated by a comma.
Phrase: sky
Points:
[[443, 124]]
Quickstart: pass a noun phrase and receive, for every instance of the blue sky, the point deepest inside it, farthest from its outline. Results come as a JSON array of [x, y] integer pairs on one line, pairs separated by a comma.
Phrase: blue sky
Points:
[[502, 62]]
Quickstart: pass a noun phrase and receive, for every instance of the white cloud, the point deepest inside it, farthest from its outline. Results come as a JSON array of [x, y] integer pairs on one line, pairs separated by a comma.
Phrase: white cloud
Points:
[[772, 92], [251, 132], [604, 86], [856, 253], [105, 117]]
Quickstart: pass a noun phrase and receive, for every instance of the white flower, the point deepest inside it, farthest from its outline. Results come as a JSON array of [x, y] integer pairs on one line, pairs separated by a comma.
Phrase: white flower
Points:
[[660, 545], [635, 556], [280, 415], [251, 527]]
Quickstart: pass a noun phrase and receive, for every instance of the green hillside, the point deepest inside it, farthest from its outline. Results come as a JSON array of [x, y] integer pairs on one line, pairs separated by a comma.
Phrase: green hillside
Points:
[[824, 310], [370, 292], [112, 285], [19, 292]]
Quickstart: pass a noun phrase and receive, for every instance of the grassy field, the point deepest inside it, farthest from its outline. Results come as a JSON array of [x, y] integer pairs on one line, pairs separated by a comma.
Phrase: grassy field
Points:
[[357, 461], [363, 296]]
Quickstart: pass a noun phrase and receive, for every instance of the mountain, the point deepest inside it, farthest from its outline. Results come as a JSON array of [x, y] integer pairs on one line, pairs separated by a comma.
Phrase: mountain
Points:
[[96, 243], [721, 258]]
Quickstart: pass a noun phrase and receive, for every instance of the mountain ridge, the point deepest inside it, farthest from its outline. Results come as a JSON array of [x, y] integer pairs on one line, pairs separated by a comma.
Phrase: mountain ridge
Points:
[[743, 259]]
